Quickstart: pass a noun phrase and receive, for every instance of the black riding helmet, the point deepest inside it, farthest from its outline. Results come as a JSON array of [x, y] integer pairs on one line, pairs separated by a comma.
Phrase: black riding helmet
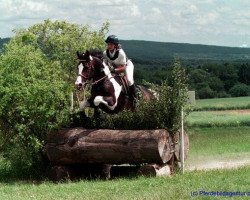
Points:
[[112, 39]]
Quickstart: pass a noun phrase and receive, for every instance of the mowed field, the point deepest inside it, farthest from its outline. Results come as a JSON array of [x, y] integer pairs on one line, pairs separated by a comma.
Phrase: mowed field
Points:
[[219, 136], [234, 103]]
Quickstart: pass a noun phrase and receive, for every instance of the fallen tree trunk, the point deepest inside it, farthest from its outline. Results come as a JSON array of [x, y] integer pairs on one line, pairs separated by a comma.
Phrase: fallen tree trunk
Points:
[[104, 146]]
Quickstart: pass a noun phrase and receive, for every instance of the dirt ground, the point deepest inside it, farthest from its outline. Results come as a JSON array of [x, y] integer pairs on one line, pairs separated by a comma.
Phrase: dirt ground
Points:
[[230, 161], [234, 111]]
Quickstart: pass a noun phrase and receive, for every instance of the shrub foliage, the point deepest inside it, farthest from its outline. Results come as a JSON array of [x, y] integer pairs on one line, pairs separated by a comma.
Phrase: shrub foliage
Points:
[[35, 84]]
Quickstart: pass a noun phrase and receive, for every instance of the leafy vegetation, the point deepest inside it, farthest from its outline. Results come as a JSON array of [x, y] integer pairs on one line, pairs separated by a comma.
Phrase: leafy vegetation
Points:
[[35, 83]]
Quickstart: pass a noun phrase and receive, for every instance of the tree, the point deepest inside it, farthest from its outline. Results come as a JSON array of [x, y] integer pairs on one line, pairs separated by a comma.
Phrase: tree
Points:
[[240, 90], [244, 74], [59, 41], [229, 75], [35, 87]]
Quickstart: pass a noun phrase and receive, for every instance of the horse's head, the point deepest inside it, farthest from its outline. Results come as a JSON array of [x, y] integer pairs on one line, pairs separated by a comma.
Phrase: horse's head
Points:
[[89, 68], [85, 69]]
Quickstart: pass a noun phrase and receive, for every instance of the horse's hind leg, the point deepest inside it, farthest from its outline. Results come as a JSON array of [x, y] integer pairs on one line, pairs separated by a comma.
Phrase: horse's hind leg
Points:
[[98, 113], [85, 120]]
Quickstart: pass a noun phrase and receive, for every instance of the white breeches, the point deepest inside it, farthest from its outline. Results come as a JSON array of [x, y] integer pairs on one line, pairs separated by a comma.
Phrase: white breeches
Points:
[[130, 72]]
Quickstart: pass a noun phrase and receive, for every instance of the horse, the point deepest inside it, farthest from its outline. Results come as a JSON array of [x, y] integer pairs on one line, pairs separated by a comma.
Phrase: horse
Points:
[[107, 89]]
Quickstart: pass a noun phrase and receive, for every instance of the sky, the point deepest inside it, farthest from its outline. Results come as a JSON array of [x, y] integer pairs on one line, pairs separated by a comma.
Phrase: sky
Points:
[[211, 22]]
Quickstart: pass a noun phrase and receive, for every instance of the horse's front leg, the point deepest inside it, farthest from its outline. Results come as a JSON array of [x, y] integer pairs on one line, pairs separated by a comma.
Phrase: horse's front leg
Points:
[[84, 119], [84, 104], [109, 101]]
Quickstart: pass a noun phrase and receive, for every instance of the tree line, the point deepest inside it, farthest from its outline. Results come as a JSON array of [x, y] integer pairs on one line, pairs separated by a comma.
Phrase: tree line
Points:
[[210, 80]]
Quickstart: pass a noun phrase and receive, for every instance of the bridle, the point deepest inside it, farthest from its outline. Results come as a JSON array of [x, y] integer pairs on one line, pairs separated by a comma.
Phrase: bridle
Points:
[[90, 67]]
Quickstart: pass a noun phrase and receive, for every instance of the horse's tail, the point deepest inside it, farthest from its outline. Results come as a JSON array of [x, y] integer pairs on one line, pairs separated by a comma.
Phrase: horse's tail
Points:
[[145, 93]]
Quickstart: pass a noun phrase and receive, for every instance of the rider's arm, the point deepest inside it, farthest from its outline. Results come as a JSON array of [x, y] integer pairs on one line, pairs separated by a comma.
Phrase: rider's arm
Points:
[[120, 68], [121, 62]]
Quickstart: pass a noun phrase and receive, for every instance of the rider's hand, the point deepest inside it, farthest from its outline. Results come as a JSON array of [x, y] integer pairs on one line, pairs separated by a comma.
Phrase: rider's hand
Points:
[[113, 70]]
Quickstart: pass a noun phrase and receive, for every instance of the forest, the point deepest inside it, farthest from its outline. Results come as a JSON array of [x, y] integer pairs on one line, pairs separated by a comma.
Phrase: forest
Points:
[[214, 71]]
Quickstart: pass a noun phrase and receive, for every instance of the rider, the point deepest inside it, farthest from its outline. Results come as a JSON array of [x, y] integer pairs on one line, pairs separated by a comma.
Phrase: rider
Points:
[[115, 56]]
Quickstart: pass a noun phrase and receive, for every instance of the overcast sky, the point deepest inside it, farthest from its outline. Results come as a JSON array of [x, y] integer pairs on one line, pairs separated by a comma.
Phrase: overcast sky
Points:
[[213, 22]]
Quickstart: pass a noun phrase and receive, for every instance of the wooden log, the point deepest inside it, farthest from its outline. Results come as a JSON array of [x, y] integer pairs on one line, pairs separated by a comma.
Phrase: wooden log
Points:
[[155, 170], [104, 146]]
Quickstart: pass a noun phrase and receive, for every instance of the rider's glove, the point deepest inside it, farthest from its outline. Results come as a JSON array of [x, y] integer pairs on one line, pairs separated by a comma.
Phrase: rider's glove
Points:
[[113, 70]]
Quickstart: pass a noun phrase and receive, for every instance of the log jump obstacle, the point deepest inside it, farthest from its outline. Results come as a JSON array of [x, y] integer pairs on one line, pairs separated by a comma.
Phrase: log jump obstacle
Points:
[[77, 151]]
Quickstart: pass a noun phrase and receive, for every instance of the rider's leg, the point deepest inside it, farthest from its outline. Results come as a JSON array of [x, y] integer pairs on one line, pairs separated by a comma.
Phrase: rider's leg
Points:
[[130, 72], [130, 78], [132, 92]]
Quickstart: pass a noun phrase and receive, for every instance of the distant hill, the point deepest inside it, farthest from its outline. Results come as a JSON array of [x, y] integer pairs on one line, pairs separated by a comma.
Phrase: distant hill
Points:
[[3, 41], [148, 52], [164, 52]]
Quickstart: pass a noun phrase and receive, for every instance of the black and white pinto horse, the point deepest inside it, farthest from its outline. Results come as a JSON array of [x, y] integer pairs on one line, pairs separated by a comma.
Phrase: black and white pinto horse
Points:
[[107, 92]]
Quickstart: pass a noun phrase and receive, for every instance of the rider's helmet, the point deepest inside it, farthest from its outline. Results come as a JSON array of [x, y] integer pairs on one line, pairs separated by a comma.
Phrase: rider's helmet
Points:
[[112, 39]]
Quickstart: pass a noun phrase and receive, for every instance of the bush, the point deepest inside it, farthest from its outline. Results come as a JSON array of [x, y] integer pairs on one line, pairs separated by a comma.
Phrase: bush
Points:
[[240, 90], [205, 93], [34, 101], [35, 85]]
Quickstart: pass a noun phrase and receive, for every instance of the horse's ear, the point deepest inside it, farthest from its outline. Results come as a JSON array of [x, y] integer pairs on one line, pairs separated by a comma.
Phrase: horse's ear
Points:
[[78, 54], [87, 53]]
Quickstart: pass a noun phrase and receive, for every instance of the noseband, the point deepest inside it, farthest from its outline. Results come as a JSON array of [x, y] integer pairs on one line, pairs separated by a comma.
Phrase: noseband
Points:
[[90, 66]]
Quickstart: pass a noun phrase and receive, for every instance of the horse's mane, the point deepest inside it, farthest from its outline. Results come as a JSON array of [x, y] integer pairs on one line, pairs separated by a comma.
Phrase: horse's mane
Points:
[[96, 53]]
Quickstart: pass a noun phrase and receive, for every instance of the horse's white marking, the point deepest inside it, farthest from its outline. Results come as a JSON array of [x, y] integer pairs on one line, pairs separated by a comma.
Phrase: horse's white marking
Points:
[[83, 104], [117, 88], [79, 78], [80, 68], [99, 99]]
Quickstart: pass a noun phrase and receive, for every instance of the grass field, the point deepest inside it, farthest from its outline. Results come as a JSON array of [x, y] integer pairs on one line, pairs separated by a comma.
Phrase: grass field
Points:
[[176, 187], [229, 118], [223, 104], [220, 144]]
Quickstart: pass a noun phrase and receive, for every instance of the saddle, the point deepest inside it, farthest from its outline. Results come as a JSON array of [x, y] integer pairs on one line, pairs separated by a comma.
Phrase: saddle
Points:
[[124, 82]]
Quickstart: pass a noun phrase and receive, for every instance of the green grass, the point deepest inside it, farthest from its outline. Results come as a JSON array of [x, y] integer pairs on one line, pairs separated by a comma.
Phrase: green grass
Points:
[[223, 103], [218, 118], [176, 187], [220, 143]]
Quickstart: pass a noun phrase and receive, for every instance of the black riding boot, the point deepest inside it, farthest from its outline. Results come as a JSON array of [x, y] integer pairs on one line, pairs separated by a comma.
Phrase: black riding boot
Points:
[[132, 94]]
